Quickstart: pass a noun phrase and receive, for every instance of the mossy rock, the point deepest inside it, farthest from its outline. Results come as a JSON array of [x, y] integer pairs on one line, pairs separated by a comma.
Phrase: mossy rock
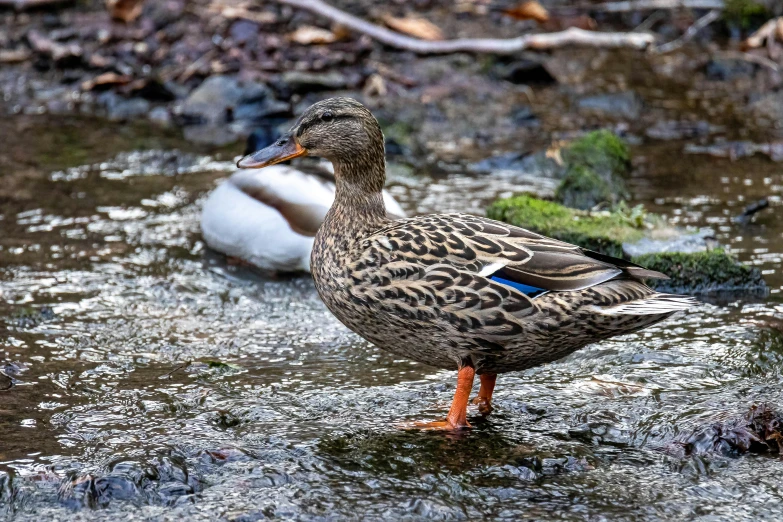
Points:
[[602, 232], [584, 189], [595, 168], [710, 271], [702, 272]]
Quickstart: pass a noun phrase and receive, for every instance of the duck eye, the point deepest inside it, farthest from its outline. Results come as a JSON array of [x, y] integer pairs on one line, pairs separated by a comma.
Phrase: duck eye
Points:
[[327, 116]]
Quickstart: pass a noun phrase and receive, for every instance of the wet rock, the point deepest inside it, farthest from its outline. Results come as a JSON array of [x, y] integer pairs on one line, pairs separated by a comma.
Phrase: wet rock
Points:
[[519, 162], [216, 99], [31, 317], [616, 106], [735, 150], [225, 109], [680, 130], [728, 69], [299, 82], [122, 109], [675, 242], [243, 32], [768, 110], [750, 211], [584, 189], [595, 167], [758, 431], [6, 486], [708, 272], [160, 116], [524, 117], [260, 138]]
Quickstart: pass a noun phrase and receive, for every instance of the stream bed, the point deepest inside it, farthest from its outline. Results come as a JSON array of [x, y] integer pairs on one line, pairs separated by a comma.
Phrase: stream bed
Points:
[[144, 378]]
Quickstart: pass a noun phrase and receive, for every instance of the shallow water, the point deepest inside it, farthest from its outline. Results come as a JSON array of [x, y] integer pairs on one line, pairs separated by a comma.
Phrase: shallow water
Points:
[[144, 378]]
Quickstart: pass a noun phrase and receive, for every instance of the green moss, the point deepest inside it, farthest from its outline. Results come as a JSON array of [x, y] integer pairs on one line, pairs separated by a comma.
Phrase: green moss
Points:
[[583, 188], [700, 272], [744, 13], [600, 150], [595, 167], [605, 232], [602, 232]]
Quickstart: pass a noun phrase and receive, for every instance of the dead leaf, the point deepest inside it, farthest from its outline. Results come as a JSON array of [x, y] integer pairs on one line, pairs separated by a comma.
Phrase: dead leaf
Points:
[[530, 10], [771, 30], [107, 78], [375, 86], [124, 10], [418, 27], [253, 16], [309, 35]]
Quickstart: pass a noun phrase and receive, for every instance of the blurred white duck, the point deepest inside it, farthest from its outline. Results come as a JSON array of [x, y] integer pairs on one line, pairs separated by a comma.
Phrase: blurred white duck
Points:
[[269, 217]]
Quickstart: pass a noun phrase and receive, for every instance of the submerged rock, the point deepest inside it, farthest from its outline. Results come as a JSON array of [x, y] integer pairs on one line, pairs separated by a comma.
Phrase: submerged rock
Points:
[[758, 431], [223, 109], [595, 169], [122, 109], [700, 268]]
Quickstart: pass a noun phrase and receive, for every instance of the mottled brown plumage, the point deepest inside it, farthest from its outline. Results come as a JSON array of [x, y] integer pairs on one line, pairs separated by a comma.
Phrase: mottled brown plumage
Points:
[[454, 290]]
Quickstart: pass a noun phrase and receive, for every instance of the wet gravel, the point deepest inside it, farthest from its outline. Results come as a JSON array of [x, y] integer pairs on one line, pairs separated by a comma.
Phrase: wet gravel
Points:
[[143, 378]]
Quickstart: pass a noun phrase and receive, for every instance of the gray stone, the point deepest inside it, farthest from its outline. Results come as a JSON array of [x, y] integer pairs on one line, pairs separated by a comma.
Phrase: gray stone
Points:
[[122, 109], [700, 241], [160, 116], [621, 105], [767, 111], [302, 82], [221, 99]]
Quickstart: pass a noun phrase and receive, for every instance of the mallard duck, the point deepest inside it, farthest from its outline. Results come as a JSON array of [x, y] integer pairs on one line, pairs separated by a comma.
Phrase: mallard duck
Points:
[[454, 291], [269, 219]]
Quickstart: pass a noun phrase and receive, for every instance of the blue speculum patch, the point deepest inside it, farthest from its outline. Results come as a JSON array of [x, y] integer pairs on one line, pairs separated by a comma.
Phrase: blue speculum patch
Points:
[[530, 291]]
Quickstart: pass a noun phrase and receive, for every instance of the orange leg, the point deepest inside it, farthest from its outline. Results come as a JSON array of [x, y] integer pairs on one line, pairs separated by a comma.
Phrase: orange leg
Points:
[[484, 398], [458, 414]]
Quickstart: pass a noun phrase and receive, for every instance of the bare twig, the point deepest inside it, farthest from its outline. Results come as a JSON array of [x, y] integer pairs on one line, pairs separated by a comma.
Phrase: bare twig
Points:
[[690, 34], [572, 36], [748, 57], [647, 5], [21, 5]]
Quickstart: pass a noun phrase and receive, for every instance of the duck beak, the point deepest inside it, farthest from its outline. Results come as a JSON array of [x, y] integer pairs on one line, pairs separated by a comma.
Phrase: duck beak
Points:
[[285, 148]]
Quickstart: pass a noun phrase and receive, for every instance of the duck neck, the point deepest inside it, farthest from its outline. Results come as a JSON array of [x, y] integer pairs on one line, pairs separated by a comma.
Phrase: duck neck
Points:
[[358, 202]]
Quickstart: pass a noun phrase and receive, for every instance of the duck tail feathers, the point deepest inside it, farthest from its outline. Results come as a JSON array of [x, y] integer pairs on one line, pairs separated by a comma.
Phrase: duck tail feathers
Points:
[[655, 304]]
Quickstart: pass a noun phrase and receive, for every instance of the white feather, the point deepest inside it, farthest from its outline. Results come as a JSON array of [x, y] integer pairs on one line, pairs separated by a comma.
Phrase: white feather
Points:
[[653, 305], [493, 267]]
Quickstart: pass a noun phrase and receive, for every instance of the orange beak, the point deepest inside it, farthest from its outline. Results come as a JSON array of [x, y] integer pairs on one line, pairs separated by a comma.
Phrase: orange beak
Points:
[[285, 148]]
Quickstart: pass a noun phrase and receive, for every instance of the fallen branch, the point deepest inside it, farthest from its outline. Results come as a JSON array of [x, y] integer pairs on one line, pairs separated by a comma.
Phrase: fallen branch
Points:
[[543, 41], [648, 5], [21, 5], [690, 34], [749, 57]]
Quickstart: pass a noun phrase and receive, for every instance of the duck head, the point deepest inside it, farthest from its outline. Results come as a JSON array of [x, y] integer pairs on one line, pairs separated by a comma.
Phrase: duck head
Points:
[[342, 130]]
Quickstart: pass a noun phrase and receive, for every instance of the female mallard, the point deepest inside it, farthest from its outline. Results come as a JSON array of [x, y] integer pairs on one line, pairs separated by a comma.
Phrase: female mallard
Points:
[[454, 290], [269, 219]]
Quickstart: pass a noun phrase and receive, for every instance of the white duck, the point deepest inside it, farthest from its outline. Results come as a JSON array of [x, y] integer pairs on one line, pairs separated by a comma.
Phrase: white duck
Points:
[[269, 217]]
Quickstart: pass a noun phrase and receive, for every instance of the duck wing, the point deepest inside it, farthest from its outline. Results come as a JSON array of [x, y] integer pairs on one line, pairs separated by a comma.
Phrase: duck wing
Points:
[[490, 248], [465, 273]]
